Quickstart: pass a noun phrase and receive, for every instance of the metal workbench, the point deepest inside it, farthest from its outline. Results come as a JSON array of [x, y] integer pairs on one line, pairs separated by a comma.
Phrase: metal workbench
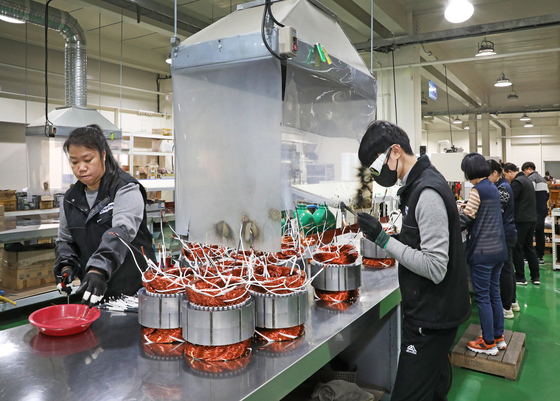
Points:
[[107, 361]]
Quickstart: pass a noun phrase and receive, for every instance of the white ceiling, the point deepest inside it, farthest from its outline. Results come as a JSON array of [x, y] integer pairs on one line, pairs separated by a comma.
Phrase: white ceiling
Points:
[[145, 45]]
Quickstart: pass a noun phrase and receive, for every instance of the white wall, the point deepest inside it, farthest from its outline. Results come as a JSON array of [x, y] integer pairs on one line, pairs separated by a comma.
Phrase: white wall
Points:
[[16, 111]]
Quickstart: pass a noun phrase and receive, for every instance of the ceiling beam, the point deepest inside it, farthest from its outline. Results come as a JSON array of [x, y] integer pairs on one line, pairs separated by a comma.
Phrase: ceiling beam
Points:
[[364, 17], [388, 45], [498, 111]]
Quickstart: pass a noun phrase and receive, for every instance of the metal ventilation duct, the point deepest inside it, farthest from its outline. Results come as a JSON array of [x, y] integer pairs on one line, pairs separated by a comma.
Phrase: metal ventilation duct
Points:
[[75, 50]]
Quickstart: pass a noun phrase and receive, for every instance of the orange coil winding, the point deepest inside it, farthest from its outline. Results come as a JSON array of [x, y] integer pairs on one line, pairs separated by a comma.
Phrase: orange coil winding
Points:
[[168, 350], [378, 263], [212, 292], [280, 280], [218, 367], [210, 353], [172, 281], [162, 336], [335, 255], [337, 296], [286, 334]]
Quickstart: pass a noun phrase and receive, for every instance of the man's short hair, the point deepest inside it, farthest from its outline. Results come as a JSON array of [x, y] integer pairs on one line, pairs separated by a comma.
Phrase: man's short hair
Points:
[[510, 167], [527, 165], [379, 136], [474, 165]]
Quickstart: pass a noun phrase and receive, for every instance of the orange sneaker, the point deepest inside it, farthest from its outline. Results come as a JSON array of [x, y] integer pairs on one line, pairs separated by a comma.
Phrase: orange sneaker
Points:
[[480, 346], [500, 342]]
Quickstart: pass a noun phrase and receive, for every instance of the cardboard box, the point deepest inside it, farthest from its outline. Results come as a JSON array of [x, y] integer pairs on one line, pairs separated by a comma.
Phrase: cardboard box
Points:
[[27, 259], [162, 145], [162, 131], [9, 205], [27, 278], [47, 202], [7, 194]]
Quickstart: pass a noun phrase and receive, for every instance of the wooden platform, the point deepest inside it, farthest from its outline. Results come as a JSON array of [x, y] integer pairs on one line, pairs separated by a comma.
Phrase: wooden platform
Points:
[[505, 364]]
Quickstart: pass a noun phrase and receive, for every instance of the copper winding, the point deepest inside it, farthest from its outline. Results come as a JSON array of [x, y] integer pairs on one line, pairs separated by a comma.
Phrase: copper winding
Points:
[[378, 263], [212, 292], [210, 353], [162, 336], [335, 255], [280, 279], [170, 281], [218, 367], [286, 334], [335, 306], [337, 296], [167, 350]]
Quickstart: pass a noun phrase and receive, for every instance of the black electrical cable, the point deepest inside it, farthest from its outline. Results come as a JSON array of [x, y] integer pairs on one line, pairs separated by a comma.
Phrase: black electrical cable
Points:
[[448, 112], [272, 16], [395, 88], [265, 12], [47, 121]]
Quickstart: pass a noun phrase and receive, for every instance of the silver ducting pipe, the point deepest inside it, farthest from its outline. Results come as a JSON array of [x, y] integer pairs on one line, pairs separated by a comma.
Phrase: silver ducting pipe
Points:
[[75, 51]]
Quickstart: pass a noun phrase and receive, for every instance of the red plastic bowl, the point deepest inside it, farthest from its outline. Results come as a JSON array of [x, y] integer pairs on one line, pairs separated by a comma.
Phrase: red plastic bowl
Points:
[[63, 320]]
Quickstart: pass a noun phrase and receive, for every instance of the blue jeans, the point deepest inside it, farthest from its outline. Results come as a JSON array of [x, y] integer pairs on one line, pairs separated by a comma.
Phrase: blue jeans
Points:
[[486, 283]]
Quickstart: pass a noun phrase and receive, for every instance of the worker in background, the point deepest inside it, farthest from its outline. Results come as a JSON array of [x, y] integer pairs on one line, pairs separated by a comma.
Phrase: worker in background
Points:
[[541, 196], [547, 176], [507, 277], [432, 265], [486, 252], [102, 219], [525, 212]]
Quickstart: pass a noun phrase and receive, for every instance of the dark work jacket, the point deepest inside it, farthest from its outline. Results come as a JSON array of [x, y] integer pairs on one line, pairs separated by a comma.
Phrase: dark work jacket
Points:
[[524, 197], [541, 194], [508, 218], [94, 238], [486, 243], [424, 303]]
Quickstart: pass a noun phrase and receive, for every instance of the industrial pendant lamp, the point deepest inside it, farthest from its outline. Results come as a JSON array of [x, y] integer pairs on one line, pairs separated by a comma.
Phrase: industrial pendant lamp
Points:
[[11, 20], [458, 11], [466, 127], [168, 59], [528, 124], [525, 117], [457, 120], [502, 81], [486, 48], [512, 95]]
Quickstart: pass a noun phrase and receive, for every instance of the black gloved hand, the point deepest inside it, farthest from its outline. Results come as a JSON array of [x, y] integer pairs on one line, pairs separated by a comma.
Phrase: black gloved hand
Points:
[[372, 229], [94, 286], [64, 280]]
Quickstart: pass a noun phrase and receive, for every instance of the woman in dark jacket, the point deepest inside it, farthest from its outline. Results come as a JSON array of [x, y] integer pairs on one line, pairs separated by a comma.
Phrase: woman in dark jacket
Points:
[[102, 219], [486, 252], [507, 277]]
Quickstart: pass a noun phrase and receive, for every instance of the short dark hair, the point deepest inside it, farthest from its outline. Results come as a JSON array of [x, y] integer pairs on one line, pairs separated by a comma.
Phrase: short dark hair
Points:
[[495, 166], [527, 165], [510, 167], [92, 137], [379, 136], [474, 166]]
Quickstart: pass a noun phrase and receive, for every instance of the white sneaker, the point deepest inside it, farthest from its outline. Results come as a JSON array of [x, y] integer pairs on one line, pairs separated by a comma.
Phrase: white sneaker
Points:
[[515, 307], [500, 342], [508, 314]]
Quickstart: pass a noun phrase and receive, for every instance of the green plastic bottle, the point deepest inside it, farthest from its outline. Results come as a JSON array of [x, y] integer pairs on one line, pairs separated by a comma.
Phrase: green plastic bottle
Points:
[[322, 214], [305, 219]]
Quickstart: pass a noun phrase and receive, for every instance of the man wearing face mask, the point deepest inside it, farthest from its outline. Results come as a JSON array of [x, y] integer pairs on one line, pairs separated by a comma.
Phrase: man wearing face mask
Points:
[[431, 256]]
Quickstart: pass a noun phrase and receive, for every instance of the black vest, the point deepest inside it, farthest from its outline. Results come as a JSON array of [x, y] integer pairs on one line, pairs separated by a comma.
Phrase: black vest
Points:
[[87, 227], [424, 303], [525, 204]]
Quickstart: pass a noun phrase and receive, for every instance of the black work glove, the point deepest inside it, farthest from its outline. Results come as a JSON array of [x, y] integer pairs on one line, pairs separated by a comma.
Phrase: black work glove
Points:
[[372, 229], [94, 286], [64, 280]]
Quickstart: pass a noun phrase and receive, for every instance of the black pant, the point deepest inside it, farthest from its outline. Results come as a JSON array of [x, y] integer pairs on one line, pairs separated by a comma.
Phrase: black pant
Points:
[[423, 372], [539, 237], [524, 247], [507, 281]]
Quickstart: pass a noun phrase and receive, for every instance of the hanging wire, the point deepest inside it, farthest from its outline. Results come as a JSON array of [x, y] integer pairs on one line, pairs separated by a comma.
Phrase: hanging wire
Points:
[[99, 72], [47, 121], [26, 74], [120, 78], [395, 88], [371, 42], [448, 112]]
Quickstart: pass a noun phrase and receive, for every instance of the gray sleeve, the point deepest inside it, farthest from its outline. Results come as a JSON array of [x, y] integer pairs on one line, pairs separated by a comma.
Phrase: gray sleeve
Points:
[[129, 210], [431, 261], [63, 231]]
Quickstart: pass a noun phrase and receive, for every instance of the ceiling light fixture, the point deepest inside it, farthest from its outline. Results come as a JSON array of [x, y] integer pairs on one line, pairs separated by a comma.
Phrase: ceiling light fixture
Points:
[[458, 11], [512, 95], [457, 120], [525, 117], [486, 48], [466, 127], [528, 124], [503, 81], [168, 59], [11, 20]]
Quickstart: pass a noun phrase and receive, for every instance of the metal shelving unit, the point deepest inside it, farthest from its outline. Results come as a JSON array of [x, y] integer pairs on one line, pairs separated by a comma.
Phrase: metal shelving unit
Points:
[[555, 239]]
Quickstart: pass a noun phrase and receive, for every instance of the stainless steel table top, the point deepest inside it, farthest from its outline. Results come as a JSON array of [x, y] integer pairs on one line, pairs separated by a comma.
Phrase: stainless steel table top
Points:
[[107, 362]]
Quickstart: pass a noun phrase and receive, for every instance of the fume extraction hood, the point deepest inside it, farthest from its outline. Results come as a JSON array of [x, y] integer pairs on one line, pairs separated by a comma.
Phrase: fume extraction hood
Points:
[[248, 125]]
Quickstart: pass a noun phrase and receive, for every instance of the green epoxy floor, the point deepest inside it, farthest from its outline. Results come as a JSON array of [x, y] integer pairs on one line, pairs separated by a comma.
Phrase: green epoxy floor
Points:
[[539, 319]]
